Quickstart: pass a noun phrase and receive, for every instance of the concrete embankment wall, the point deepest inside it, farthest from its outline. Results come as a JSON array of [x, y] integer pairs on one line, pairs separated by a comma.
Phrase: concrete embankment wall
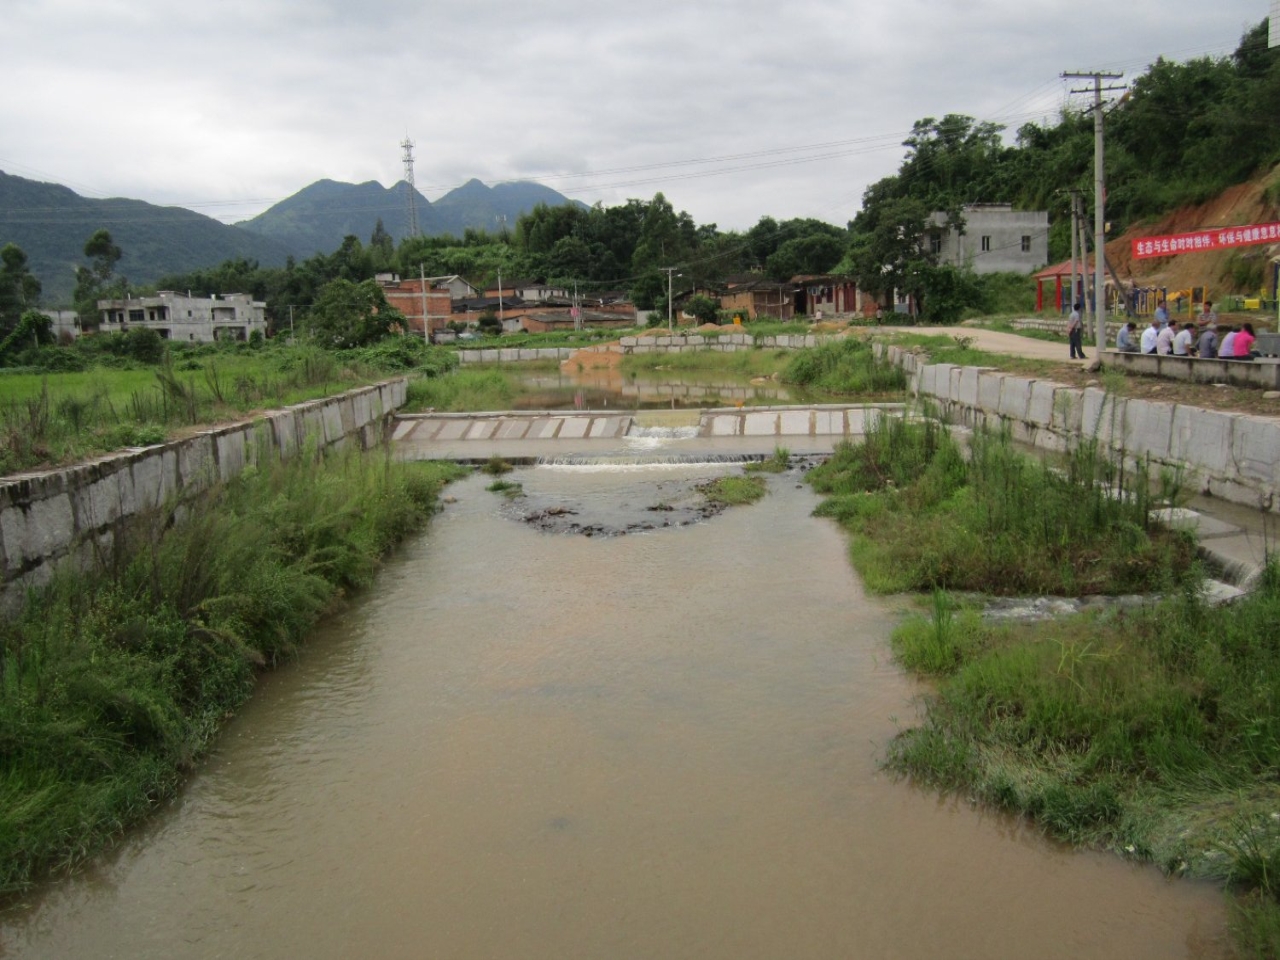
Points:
[[1229, 455], [1233, 456], [678, 343], [74, 513]]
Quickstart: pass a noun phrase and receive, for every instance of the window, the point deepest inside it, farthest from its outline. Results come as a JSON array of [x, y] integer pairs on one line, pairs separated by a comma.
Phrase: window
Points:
[[986, 244], [1026, 243], [135, 316], [935, 243]]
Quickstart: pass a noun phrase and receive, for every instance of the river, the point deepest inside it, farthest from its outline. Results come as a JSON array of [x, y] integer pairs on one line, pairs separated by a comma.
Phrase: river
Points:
[[523, 744]]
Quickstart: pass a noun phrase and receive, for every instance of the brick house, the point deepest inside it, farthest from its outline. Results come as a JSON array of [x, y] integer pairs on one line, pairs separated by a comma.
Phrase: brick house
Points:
[[757, 297], [407, 297]]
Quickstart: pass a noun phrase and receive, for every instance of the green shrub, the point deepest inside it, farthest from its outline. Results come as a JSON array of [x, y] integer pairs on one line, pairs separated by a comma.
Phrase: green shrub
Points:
[[845, 366]]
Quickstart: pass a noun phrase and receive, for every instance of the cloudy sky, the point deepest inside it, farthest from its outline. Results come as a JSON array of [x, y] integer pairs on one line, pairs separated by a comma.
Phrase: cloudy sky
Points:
[[732, 108]]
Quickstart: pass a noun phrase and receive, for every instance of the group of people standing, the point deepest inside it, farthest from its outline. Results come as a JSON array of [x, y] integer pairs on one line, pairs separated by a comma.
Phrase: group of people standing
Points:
[[1204, 337]]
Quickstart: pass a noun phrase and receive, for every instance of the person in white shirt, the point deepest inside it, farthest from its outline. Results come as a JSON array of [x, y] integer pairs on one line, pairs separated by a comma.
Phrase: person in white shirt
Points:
[[1183, 340], [1227, 345], [1164, 341], [1149, 335]]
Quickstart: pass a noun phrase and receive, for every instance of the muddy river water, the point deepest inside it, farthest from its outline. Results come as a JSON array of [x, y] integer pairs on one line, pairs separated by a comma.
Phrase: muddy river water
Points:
[[531, 744]]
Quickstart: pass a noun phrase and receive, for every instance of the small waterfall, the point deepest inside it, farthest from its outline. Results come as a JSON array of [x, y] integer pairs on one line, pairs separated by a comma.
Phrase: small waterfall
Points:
[[658, 432], [643, 460]]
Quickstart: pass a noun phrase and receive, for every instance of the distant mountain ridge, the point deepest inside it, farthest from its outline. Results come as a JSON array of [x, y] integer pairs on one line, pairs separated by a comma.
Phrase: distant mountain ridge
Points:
[[318, 217], [51, 223]]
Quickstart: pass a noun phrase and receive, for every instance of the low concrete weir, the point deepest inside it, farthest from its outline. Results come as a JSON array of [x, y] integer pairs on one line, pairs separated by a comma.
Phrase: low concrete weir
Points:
[[528, 436]]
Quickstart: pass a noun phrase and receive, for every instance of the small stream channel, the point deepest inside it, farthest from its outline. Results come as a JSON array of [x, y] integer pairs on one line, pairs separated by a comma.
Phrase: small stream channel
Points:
[[527, 743]]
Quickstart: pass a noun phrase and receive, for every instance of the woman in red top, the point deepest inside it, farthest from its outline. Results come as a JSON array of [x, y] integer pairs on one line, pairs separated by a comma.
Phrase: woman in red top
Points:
[[1244, 343]]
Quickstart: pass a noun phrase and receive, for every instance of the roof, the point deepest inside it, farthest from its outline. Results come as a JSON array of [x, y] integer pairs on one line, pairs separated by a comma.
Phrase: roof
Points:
[[1062, 269]]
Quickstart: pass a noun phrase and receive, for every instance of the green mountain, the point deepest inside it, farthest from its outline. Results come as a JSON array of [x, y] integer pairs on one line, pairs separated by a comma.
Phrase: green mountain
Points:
[[317, 218], [51, 224]]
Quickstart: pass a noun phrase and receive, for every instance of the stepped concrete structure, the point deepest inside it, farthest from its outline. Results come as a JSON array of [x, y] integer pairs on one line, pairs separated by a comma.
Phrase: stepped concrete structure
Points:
[[732, 432]]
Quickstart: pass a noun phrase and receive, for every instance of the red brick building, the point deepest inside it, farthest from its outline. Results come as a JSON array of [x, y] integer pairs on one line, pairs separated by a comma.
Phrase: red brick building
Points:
[[407, 297]]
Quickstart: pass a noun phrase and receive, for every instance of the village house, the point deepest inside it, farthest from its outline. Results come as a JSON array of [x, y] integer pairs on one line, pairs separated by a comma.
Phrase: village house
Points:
[[424, 304], [756, 297], [995, 239], [818, 296], [228, 316]]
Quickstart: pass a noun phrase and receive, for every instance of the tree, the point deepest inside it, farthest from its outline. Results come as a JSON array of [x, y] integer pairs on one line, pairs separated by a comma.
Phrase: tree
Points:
[[348, 314], [382, 249], [815, 253], [97, 281], [19, 289], [489, 324], [887, 257], [33, 329], [703, 309]]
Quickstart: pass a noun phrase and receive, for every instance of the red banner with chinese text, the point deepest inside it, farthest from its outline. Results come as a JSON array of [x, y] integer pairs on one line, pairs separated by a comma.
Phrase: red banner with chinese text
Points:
[[1219, 238]]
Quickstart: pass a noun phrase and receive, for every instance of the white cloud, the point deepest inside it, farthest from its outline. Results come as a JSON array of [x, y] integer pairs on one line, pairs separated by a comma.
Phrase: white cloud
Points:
[[235, 103]]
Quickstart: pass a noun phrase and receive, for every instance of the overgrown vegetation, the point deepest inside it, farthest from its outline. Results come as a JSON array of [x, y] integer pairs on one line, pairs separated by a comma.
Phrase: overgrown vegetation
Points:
[[468, 388], [734, 489], [112, 684], [114, 391], [846, 366], [1151, 730], [926, 515], [778, 462], [1154, 732]]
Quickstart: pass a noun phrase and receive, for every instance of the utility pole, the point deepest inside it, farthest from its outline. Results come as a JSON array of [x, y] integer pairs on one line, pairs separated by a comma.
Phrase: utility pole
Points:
[[1089, 304], [501, 317], [671, 272], [1100, 196], [426, 321], [1075, 236]]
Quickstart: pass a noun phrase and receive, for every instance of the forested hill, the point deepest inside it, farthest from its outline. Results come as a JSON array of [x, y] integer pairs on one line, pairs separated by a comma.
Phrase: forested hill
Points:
[[1181, 134], [51, 224], [317, 218]]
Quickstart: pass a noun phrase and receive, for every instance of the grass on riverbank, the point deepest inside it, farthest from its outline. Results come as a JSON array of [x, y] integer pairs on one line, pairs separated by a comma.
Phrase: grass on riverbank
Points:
[[466, 389], [1154, 732], [111, 685], [848, 367], [112, 401], [926, 515]]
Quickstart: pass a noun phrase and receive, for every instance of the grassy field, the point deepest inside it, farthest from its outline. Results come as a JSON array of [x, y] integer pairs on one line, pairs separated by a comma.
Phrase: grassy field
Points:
[[53, 418]]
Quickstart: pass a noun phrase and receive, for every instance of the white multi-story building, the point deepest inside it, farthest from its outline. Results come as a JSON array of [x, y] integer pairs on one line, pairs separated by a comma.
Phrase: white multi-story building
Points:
[[228, 316], [996, 239]]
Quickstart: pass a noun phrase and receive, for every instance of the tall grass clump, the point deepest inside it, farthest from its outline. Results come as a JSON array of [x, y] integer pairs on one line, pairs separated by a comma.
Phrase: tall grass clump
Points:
[[927, 515], [113, 683], [468, 388], [845, 366]]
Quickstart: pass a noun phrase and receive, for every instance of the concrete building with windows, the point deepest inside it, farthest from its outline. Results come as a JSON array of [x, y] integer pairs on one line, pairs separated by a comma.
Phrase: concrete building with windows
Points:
[[228, 316], [995, 239]]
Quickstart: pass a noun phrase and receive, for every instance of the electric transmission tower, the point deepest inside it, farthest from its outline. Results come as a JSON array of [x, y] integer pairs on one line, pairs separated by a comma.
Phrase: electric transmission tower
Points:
[[407, 146]]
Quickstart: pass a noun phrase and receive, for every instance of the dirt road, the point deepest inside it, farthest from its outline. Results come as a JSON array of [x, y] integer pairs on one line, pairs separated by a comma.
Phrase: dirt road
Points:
[[995, 341]]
